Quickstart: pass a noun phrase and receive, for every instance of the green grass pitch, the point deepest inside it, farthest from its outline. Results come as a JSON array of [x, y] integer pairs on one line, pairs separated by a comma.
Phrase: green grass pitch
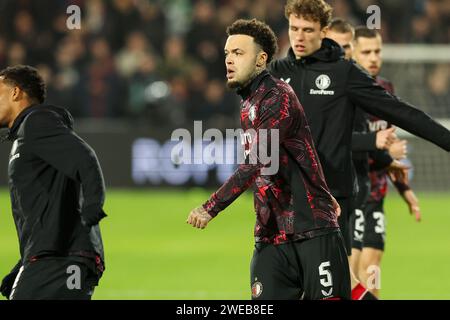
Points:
[[151, 253]]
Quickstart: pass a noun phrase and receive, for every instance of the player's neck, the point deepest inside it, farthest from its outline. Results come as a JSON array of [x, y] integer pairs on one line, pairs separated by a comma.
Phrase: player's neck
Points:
[[17, 110], [254, 75]]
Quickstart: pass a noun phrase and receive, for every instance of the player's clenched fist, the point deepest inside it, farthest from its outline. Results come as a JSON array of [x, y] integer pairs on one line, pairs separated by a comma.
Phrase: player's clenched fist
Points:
[[199, 218]]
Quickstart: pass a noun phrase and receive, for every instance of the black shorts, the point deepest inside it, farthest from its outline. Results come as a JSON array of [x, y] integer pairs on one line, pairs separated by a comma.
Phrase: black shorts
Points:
[[346, 205], [54, 279], [369, 227], [357, 223], [311, 269]]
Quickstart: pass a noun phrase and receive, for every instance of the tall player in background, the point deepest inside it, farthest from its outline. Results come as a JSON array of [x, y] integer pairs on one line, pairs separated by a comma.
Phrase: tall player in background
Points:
[[342, 32], [363, 142], [382, 146], [368, 251]]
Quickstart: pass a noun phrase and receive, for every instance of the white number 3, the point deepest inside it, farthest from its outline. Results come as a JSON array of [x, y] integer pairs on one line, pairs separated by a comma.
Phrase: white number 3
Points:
[[379, 217]]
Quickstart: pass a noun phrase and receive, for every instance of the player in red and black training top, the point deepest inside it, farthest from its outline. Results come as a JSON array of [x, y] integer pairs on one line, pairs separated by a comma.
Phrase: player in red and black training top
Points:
[[370, 246], [299, 251]]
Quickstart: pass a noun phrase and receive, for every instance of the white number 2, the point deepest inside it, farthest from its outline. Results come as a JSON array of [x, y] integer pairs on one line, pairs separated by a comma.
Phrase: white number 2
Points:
[[359, 221]]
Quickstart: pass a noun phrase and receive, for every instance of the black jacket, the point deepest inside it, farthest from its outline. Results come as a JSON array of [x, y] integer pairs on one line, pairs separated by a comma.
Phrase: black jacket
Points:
[[56, 185], [329, 87]]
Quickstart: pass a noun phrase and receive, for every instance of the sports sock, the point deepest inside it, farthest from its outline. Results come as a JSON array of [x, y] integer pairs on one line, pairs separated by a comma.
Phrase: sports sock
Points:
[[361, 293]]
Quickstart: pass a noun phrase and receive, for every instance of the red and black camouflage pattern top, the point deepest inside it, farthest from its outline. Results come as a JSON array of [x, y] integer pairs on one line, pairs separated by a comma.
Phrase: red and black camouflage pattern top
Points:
[[378, 178], [295, 202]]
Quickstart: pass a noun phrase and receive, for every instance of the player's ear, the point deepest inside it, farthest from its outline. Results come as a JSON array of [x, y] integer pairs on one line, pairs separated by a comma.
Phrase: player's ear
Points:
[[261, 60], [323, 32], [16, 93]]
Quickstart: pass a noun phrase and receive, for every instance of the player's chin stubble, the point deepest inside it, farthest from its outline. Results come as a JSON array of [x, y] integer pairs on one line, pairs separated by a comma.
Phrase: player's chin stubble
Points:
[[233, 84]]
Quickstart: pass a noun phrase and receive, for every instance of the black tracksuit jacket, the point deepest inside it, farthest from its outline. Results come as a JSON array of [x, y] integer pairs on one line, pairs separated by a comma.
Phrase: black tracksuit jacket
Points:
[[329, 88], [56, 186]]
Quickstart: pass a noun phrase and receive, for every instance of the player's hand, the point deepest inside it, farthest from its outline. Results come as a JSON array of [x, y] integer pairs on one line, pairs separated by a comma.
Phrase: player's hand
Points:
[[8, 282], [398, 149], [385, 138], [336, 206], [413, 204], [199, 218], [398, 172], [6, 286]]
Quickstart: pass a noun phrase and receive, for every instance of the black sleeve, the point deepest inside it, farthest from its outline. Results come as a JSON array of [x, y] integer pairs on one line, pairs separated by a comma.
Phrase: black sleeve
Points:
[[380, 159], [58, 145], [362, 141], [368, 95], [8, 280]]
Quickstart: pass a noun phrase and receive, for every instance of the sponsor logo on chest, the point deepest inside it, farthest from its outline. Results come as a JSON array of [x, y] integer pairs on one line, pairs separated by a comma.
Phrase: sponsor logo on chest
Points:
[[249, 111], [252, 113], [322, 82]]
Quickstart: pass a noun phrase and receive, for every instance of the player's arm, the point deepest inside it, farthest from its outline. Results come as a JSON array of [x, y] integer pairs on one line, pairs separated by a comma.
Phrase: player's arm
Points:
[[57, 144], [275, 114], [363, 141], [370, 141], [368, 95], [380, 159], [399, 178], [398, 173], [398, 150]]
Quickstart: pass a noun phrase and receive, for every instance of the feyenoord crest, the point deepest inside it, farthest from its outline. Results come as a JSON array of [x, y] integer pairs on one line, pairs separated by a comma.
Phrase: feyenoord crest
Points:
[[323, 82], [257, 289], [252, 113]]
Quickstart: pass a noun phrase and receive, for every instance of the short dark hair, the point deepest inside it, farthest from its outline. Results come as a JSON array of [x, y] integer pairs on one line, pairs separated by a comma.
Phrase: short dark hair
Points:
[[364, 32], [342, 26], [262, 34], [315, 10], [27, 79]]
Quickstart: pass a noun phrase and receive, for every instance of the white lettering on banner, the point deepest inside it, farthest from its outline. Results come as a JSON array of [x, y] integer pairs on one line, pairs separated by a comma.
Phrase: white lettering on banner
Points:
[[254, 147], [152, 163]]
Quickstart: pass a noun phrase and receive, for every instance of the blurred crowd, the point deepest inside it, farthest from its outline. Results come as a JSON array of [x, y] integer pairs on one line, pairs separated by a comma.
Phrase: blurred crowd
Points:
[[161, 62]]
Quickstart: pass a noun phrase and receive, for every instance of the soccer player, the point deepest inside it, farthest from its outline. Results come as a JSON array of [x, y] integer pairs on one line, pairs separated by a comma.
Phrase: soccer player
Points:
[[342, 32], [330, 88], [363, 142], [368, 251], [57, 193], [299, 251]]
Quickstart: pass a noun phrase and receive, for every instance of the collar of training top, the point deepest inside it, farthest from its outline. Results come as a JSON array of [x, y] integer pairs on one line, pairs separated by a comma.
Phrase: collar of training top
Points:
[[19, 119], [329, 51], [253, 85], [65, 116]]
